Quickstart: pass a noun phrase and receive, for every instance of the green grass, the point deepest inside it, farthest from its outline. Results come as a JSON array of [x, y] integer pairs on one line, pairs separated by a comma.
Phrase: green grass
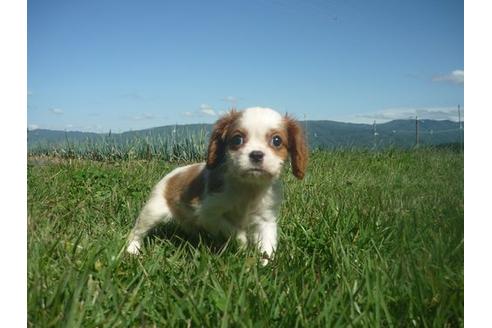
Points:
[[181, 146], [367, 239]]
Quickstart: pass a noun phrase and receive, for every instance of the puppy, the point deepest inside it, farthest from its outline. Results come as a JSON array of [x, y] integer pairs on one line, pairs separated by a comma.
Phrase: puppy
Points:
[[236, 192]]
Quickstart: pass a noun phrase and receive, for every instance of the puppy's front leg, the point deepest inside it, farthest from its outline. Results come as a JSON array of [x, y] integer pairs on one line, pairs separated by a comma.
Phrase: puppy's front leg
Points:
[[266, 239]]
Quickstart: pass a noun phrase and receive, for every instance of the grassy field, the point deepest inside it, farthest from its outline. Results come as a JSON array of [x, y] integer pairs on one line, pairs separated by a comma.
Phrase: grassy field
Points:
[[367, 239]]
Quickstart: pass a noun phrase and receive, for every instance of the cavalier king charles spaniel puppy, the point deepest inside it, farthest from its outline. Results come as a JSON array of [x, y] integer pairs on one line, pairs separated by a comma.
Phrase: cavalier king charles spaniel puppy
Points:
[[236, 193]]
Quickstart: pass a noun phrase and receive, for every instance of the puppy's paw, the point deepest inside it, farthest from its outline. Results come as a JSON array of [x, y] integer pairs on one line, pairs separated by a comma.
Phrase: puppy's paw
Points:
[[133, 248], [265, 259], [242, 240]]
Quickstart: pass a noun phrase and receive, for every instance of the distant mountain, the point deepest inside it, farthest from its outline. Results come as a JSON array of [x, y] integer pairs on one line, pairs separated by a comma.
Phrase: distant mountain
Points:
[[397, 133], [322, 134], [44, 136]]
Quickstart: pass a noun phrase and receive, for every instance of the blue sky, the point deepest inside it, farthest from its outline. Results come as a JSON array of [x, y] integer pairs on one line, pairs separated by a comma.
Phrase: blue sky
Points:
[[122, 65]]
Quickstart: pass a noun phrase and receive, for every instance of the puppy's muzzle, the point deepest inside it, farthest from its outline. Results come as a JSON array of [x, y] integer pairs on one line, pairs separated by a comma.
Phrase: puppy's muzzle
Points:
[[256, 156]]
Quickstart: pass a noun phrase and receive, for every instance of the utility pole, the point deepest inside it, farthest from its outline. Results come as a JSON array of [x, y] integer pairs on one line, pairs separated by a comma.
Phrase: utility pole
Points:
[[305, 124], [416, 131], [460, 126], [375, 134], [459, 116], [306, 134]]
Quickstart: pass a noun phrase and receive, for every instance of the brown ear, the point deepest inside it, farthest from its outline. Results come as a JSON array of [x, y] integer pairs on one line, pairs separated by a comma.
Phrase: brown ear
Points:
[[217, 144], [297, 147]]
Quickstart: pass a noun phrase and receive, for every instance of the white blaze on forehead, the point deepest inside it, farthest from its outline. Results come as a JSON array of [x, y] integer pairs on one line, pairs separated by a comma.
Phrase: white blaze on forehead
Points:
[[259, 120]]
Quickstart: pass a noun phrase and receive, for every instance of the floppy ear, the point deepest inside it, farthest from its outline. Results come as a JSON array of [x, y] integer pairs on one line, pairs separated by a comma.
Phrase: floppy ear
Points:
[[297, 147], [217, 143]]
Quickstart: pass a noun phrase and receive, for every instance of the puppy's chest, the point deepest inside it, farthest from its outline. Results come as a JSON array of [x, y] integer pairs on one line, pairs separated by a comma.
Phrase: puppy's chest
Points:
[[240, 215], [240, 211]]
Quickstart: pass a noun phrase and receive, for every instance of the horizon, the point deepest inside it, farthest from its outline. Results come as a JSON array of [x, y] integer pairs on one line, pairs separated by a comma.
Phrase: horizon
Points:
[[188, 124], [135, 66]]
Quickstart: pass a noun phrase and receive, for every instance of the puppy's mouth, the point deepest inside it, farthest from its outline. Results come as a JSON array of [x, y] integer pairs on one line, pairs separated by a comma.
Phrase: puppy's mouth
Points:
[[257, 171]]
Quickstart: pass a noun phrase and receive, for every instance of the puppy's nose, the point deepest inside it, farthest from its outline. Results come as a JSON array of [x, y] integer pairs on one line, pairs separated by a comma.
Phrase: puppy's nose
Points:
[[256, 156]]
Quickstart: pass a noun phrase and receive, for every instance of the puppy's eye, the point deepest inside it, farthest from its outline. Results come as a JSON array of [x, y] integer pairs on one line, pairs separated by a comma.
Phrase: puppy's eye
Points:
[[276, 141], [237, 140]]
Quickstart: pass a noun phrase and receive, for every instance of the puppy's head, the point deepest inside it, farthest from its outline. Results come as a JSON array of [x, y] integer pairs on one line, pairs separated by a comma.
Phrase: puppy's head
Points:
[[254, 144]]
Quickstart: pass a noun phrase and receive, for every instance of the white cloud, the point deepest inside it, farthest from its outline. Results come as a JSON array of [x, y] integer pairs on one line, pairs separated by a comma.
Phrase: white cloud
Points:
[[143, 116], [207, 110], [56, 111], [456, 77], [204, 110], [429, 113], [132, 95], [230, 99], [32, 126]]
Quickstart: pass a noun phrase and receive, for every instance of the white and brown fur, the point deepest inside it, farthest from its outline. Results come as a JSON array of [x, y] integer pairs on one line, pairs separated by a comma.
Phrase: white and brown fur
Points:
[[236, 192]]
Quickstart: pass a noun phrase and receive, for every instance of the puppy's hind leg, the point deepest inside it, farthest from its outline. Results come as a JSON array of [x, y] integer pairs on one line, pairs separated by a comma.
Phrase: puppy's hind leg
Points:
[[155, 211]]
